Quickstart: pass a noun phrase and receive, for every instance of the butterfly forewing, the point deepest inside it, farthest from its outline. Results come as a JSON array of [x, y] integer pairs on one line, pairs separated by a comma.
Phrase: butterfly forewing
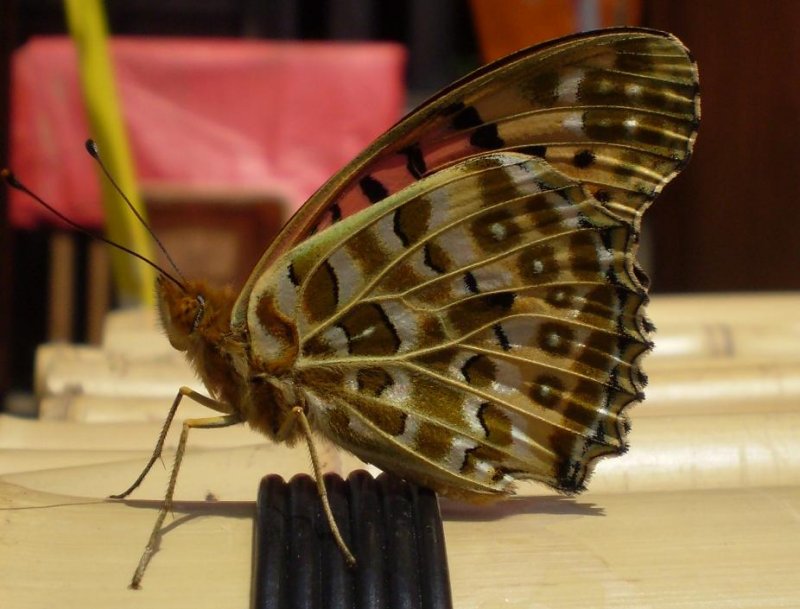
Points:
[[616, 109], [461, 304], [617, 113]]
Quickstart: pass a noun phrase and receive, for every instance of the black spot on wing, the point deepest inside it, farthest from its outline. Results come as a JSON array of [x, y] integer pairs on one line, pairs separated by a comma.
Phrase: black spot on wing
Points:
[[471, 283], [466, 118], [546, 390], [583, 159], [486, 137], [373, 381], [336, 212], [292, 275], [369, 331], [467, 462], [334, 280], [481, 418], [603, 196], [502, 338], [570, 475], [398, 230], [539, 151], [373, 189], [415, 162], [626, 425], [479, 370], [500, 300], [432, 256]]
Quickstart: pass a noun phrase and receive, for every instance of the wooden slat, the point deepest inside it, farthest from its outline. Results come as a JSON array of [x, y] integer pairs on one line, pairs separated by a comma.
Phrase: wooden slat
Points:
[[701, 512], [61, 306], [701, 549]]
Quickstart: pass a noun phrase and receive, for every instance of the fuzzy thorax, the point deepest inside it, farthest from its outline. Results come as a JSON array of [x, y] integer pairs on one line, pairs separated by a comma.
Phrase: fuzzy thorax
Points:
[[197, 320]]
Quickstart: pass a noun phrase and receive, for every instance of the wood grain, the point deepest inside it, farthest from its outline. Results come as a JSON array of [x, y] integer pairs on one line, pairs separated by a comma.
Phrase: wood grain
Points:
[[706, 549], [702, 511]]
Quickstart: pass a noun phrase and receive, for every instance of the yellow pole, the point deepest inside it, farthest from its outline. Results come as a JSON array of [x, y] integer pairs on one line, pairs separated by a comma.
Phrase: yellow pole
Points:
[[87, 25]]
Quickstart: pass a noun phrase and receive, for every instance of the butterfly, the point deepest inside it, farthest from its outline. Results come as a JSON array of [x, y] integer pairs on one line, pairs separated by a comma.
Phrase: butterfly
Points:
[[461, 304]]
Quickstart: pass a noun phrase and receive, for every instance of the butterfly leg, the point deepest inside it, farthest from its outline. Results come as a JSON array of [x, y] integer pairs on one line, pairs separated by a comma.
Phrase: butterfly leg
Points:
[[182, 392], [211, 422], [166, 506], [298, 415]]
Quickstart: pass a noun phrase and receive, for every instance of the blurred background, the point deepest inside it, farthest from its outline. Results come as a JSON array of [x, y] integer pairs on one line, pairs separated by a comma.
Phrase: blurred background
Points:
[[236, 110]]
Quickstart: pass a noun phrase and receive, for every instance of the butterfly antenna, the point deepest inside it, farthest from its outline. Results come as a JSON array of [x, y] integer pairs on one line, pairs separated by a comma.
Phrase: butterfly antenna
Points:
[[13, 182], [94, 151]]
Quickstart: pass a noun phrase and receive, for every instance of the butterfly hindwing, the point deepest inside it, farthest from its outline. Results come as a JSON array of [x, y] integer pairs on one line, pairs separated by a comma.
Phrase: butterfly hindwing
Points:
[[465, 330], [461, 304]]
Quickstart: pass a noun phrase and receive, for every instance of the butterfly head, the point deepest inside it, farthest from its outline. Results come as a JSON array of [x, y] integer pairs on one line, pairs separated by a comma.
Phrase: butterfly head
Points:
[[192, 311], [181, 311]]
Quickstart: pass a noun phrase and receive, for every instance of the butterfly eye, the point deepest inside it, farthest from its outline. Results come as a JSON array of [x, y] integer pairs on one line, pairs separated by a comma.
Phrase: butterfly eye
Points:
[[201, 309]]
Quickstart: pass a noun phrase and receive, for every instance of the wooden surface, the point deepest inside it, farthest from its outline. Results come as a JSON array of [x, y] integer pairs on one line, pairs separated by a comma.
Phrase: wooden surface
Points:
[[724, 548], [702, 512]]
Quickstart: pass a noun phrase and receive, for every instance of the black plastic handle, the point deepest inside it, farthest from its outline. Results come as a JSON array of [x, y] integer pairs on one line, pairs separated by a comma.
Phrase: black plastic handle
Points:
[[394, 529]]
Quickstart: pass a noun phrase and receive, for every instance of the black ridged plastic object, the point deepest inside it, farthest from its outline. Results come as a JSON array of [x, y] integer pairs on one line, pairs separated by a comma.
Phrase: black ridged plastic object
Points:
[[394, 529]]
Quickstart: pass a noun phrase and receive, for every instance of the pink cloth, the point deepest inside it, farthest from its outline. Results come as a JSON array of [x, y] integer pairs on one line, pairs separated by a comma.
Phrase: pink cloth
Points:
[[218, 113]]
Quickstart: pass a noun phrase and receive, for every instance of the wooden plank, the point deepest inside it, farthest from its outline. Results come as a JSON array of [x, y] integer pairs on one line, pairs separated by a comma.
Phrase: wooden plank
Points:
[[700, 549], [61, 306], [701, 512], [98, 290]]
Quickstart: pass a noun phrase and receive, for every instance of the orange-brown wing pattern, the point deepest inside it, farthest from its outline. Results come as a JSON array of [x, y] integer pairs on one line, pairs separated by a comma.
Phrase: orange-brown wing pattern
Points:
[[616, 109], [481, 326], [461, 304]]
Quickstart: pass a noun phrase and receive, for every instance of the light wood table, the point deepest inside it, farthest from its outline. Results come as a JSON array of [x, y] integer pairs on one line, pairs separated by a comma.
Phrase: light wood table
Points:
[[703, 512]]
